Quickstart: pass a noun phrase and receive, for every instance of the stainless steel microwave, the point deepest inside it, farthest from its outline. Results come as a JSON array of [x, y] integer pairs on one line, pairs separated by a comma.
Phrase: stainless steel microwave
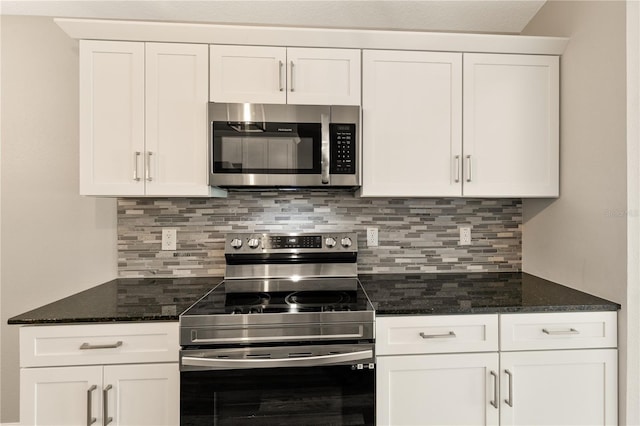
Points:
[[254, 146]]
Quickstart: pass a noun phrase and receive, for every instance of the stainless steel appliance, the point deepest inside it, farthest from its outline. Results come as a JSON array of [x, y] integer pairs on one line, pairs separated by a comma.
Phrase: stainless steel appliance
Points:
[[287, 338], [290, 146]]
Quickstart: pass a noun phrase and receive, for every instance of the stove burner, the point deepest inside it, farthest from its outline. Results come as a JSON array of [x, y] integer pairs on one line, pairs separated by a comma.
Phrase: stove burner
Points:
[[317, 298], [248, 299]]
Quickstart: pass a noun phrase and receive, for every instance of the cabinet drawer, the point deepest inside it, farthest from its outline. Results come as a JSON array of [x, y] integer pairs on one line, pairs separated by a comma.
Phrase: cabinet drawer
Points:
[[567, 330], [98, 344], [436, 334]]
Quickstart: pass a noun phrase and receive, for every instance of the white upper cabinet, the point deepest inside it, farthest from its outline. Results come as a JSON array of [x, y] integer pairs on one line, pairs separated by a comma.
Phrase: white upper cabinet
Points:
[[248, 74], [426, 136], [143, 114], [323, 76], [278, 75], [176, 119], [111, 117], [511, 125], [412, 123]]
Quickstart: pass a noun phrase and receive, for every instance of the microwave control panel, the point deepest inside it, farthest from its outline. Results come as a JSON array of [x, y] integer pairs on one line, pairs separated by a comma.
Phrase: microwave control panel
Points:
[[343, 148]]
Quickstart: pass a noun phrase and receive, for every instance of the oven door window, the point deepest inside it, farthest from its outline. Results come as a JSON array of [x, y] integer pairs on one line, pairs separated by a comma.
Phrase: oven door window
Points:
[[335, 395], [282, 148]]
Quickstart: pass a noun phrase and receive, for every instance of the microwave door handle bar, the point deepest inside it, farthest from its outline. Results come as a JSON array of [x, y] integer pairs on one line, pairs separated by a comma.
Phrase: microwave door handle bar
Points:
[[325, 148], [311, 361]]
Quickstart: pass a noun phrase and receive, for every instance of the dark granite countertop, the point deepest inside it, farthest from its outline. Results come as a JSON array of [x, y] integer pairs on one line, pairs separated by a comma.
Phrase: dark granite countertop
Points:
[[124, 299], [473, 293], [164, 299]]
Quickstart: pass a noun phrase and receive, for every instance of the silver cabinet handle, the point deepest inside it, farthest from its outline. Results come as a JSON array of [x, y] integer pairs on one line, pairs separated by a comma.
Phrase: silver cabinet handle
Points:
[[560, 332], [147, 169], [325, 150], [468, 168], [494, 402], [90, 419], [449, 335], [291, 78], [457, 166], [136, 157], [280, 85], [105, 406], [86, 346], [510, 400]]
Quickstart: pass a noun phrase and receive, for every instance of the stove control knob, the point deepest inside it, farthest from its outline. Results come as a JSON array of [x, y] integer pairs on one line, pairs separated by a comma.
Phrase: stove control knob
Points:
[[330, 242], [346, 242], [254, 242], [236, 243]]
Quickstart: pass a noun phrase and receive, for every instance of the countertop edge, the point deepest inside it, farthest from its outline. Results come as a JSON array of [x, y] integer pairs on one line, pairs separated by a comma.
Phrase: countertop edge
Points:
[[48, 315]]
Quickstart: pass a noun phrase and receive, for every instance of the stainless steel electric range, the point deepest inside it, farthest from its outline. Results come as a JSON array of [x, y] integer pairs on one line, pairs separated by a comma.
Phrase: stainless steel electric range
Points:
[[286, 339]]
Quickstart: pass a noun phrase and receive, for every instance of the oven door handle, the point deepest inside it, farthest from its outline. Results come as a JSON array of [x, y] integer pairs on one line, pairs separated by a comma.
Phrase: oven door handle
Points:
[[311, 361]]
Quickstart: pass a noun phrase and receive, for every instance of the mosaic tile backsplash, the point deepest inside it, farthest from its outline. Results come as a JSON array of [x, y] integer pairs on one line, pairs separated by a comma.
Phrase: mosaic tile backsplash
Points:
[[415, 235]]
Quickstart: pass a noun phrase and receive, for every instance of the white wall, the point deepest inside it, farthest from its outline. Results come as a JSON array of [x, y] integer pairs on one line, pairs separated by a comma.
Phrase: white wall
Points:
[[632, 385], [54, 242], [580, 239], [0, 215]]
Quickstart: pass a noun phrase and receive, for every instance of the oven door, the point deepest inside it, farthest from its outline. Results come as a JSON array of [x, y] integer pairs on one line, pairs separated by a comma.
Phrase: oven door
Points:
[[291, 385]]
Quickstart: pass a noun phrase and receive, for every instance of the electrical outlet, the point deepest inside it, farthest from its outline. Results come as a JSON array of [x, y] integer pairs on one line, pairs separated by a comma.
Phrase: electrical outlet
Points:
[[372, 237], [465, 236], [169, 238]]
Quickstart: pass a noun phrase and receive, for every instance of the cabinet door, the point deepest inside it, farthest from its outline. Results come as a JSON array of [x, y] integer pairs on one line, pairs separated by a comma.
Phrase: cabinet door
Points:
[[577, 387], [511, 125], [412, 122], [176, 119], [453, 389], [142, 394], [248, 74], [323, 76], [60, 396], [111, 118]]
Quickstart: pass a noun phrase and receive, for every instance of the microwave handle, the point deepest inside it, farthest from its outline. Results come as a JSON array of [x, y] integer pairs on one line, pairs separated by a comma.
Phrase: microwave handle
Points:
[[325, 148]]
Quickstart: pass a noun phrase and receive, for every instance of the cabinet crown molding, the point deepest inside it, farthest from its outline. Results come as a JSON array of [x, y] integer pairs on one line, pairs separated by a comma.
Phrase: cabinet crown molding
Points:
[[153, 31]]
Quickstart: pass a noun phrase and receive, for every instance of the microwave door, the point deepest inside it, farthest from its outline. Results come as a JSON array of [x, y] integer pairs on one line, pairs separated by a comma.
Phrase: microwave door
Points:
[[282, 150]]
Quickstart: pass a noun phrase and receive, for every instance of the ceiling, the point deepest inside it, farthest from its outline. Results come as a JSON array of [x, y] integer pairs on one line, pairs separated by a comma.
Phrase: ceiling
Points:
[[484, 16]]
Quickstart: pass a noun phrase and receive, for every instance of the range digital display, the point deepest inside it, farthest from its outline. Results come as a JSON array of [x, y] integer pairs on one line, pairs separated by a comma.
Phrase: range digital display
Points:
[[296, 242]]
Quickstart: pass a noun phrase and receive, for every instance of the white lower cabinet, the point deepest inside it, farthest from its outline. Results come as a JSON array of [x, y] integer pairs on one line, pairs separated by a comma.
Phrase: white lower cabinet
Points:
[[437, 389], [424, 378], [146, 394], [431, 370], [573, 387], [102, 374]]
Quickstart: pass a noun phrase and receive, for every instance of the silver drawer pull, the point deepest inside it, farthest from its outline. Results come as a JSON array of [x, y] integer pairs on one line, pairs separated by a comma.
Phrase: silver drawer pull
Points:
[[449, 335], [90, 419], [494, 402], [560, 332], [510, 400], [136, 156], [86, 346], [105, 406]]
